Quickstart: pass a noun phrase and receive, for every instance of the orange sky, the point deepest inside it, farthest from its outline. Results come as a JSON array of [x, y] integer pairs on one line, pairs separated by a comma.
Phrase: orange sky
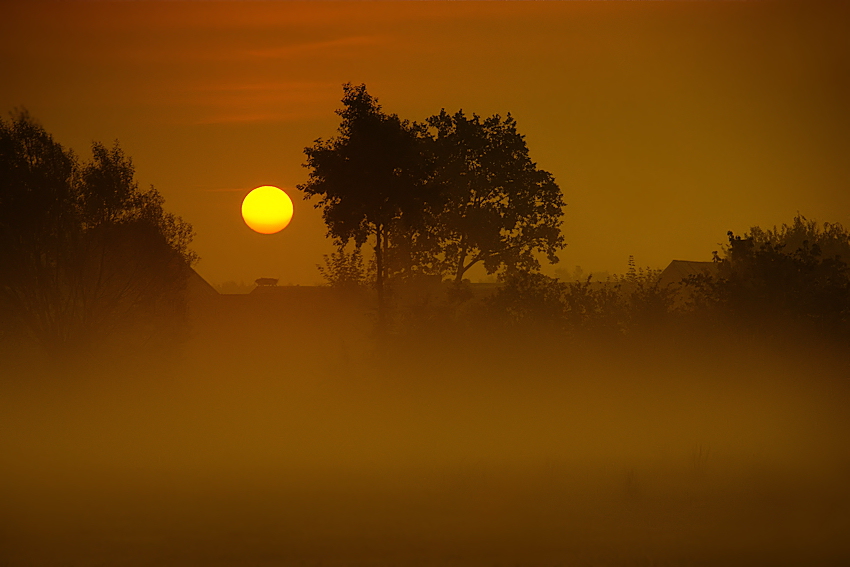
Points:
[[665, 124]]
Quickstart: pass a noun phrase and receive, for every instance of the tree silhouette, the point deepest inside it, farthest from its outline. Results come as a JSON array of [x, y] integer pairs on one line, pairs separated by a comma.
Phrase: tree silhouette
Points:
[[83, 252], [832, 240], [495, 206], [345, 270], [369, 178], [795, 275], [439, 197], [529, 300]]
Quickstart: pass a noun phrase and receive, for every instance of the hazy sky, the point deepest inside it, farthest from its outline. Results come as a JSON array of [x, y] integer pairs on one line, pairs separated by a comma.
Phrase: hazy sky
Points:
[[665, 123]]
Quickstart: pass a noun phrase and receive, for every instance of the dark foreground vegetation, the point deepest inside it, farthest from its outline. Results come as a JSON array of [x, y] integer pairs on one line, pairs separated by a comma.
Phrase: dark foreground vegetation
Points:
[[86, 257], [791, 281], [630, 422]]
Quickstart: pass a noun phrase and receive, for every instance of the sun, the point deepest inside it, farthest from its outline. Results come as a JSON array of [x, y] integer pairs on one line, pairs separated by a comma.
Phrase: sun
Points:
[[267, 209]]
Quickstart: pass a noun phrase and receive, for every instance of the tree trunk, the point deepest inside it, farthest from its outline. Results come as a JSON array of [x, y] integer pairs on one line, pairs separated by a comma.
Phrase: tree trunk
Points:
[[461, 259], [379, 276]]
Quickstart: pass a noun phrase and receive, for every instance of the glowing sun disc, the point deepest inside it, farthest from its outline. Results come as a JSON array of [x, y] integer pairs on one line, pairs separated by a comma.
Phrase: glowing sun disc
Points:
[[267, 209]]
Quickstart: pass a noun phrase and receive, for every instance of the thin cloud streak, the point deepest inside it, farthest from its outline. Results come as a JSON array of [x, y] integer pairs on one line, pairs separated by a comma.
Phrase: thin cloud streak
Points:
[[314, 47], [266, 86], [227, 190], [257, 103], [231, 95], [249, 118]]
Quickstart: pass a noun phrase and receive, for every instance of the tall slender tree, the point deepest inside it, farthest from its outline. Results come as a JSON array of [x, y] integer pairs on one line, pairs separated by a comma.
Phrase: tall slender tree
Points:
[[369, 178]]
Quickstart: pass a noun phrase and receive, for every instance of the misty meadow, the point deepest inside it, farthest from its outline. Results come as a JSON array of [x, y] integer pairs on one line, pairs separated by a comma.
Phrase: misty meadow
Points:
[[401, 414]]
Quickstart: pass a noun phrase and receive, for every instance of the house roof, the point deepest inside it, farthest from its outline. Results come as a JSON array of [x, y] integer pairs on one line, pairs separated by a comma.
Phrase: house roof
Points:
[[198, 287], [679, 270]]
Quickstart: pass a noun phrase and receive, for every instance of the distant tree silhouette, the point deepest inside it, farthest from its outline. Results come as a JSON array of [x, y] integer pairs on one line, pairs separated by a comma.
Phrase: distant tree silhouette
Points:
[[796, 274], [632, 302], [596, 308], [647, 302], [369, 178], [529, 300], [828, 240], [83, 252], [493, 205], [345, 270]]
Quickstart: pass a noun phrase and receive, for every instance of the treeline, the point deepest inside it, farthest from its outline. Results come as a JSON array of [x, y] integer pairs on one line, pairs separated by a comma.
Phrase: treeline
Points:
[[433, 199], [790, 281], [86, 256], [792, 277]]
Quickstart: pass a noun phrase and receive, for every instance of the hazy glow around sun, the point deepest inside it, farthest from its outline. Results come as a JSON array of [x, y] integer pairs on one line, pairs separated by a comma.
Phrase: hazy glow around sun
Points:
[[267, 209]]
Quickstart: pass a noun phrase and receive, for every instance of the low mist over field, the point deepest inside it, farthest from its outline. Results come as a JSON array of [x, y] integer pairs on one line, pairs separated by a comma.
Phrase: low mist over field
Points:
[[265, 443]]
